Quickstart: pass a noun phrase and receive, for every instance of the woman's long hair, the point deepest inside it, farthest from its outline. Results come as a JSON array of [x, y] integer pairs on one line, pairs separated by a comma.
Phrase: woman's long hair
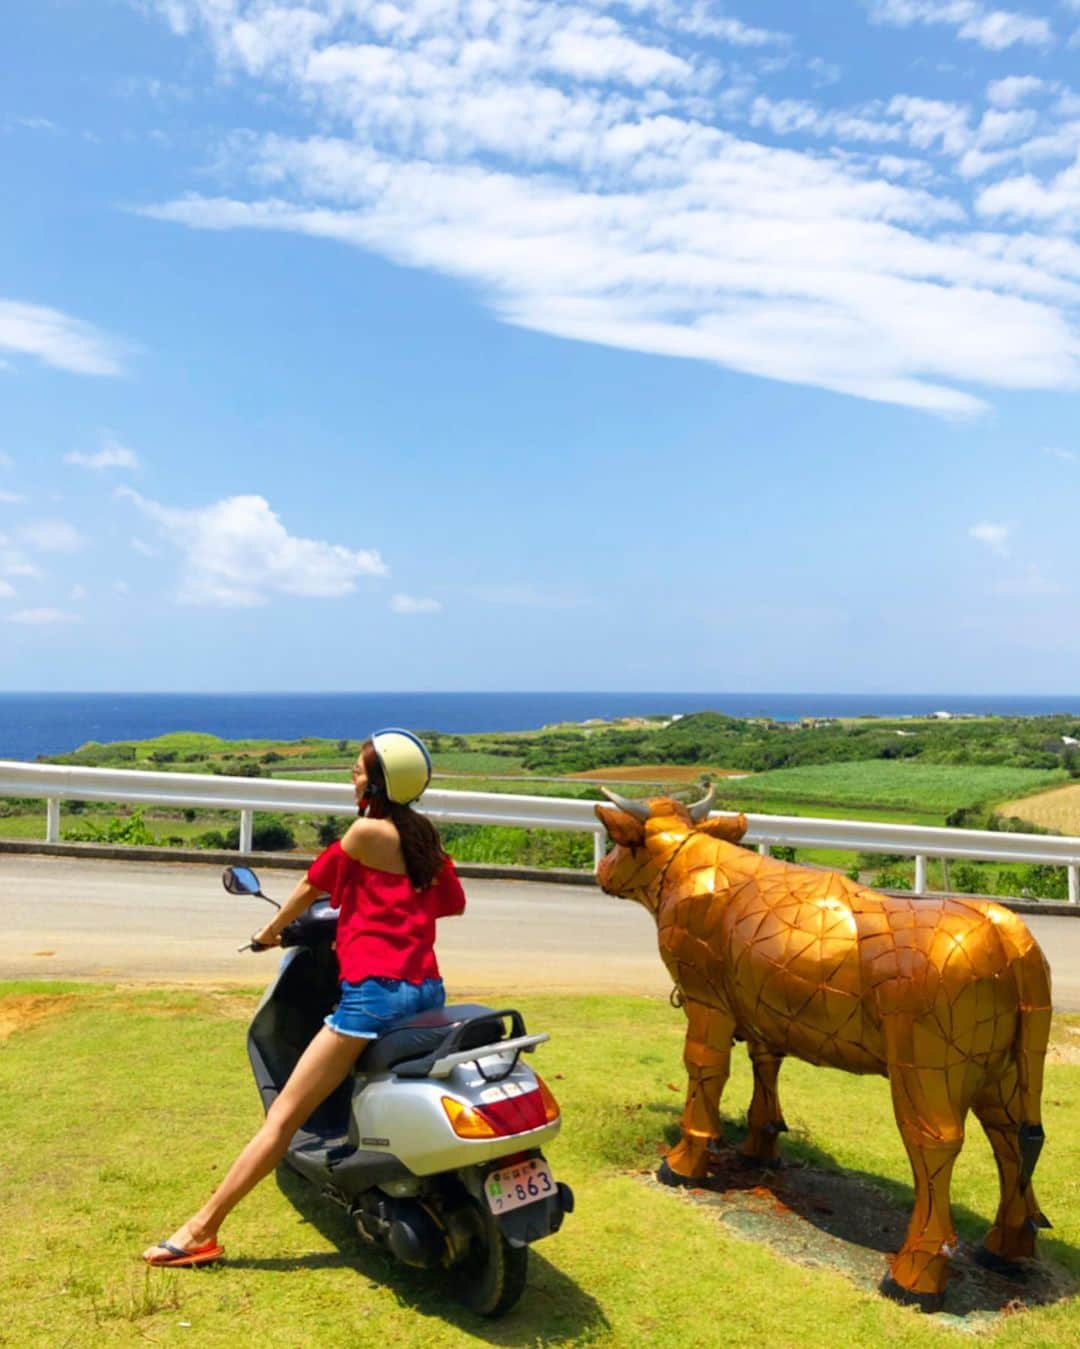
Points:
[[421, 845]]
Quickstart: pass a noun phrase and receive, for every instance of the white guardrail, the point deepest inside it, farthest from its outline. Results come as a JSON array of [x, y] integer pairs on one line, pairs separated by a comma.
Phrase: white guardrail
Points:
[[56, 783]]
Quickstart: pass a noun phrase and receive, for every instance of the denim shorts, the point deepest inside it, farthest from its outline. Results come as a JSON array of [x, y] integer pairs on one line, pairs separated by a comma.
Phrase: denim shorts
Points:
[[368, 1008]]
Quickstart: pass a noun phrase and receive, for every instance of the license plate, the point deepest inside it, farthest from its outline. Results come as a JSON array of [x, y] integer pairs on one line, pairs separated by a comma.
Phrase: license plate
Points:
[[515, 1186]]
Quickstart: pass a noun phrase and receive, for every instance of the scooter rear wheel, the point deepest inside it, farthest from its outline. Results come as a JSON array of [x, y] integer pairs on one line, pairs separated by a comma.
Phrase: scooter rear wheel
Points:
[[491, 1277]]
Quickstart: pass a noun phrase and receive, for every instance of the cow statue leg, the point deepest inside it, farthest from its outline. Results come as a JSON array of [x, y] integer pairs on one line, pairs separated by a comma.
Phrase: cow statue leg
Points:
[[707, 1056], [1012, 1237], [764, 1118], [931, 1122]]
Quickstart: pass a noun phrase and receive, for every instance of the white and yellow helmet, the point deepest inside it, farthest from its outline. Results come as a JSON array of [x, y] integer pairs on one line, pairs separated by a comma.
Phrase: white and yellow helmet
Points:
[[405, 763]]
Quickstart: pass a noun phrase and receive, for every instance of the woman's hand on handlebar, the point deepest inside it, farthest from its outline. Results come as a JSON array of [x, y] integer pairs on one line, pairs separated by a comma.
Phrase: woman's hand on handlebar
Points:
[[265, 938], [295, 905]]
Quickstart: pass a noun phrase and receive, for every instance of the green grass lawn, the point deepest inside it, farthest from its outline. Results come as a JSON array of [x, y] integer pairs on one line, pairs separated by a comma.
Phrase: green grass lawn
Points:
[[100, 1157], [888, 784]]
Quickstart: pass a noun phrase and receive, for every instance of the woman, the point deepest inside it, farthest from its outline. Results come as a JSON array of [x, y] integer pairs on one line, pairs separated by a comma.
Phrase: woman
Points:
[[391, 880]]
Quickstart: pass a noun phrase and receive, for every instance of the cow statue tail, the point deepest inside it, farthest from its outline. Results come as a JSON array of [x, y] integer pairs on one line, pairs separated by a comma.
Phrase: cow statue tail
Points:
[[1033, 1034]]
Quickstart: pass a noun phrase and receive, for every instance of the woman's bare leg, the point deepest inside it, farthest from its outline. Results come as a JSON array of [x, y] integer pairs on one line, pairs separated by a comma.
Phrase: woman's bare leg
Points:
[[322, 1067]]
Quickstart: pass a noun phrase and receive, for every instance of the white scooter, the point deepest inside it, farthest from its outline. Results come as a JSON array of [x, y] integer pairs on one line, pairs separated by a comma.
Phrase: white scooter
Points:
[[434, 1144]]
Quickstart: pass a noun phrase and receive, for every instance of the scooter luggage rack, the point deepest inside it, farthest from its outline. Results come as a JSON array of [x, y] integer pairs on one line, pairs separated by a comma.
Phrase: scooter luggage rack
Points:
[[441, 1061]]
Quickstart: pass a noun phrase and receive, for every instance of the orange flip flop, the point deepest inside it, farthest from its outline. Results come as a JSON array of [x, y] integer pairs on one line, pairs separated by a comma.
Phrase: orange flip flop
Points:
[[177, 1256]]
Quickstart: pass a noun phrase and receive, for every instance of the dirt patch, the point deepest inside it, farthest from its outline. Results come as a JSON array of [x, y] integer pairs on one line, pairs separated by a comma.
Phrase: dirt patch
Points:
[[21, 1012], [844, 1222], [655, 772]]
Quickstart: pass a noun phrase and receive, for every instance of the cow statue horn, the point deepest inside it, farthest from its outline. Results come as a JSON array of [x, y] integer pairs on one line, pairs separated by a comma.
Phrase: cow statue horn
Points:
[[699, 810], [639, 809]]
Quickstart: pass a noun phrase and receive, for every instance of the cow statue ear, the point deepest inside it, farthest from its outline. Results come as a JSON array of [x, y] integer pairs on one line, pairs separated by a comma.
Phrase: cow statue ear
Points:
[[622, 828], [728, 827]]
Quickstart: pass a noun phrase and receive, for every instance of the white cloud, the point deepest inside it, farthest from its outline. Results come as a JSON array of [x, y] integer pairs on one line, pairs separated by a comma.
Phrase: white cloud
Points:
[[42, 617], [236, 552], [994, 536], [121, 587], [624, 213], [1070, 456], [114, 455], [1013, 89], [994, 29], [7, 590], [1026, 198], [78, 592], [6, 460], [144, 548], [13, 562], [409, 604], [591, 48], [11, 498], [51, 536], [57, 339]]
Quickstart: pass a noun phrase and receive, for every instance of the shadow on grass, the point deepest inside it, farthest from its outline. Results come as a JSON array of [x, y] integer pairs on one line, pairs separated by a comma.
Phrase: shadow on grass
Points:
[[813, 1211], [553, 1309]]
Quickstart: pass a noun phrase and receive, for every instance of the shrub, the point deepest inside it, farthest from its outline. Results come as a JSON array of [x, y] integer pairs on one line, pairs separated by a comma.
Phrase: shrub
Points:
[[267, 835], [330, 830], [1044, 882], [131, 830], [517, 846], [892, 878], [966, 879]]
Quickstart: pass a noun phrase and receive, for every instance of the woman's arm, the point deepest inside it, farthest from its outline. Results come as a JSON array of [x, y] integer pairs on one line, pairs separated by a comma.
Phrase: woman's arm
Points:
[[449, 896], [293, 907]]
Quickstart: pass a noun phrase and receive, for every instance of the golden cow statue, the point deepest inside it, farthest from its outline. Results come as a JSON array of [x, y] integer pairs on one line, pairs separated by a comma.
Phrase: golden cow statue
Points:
[[948, 998]]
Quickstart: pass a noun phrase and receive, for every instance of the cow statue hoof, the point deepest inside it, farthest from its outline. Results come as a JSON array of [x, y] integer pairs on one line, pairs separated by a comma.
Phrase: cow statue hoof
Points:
[[666, 1176], [997, 1264], [755, 1163], [926, 1302]]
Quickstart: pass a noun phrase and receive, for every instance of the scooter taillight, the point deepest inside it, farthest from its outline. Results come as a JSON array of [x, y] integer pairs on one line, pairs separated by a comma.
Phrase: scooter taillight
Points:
[[512, 1115], [466, 1122], [551, 1105], [515, 1114]]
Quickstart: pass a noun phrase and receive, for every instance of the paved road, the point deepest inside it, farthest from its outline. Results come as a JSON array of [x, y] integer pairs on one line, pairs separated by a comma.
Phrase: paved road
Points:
[[76, 918], [79, 918]]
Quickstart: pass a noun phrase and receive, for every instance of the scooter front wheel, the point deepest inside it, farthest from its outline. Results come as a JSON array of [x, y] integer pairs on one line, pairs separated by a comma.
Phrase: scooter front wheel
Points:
[[491, 1277]]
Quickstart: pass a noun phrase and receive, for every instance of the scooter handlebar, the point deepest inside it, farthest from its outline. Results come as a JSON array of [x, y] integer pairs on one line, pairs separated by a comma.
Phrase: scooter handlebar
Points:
[[290, 936]]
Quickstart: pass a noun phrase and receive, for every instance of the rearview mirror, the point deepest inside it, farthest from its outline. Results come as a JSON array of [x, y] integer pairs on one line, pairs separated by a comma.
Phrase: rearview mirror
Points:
[[241, 881]]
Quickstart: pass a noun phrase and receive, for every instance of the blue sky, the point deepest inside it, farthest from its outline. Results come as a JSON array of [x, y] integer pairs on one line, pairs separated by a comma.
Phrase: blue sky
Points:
[[530, 344]]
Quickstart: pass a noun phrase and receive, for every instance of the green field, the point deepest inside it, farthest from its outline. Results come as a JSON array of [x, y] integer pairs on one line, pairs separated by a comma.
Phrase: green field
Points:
[[905, 772], [475, 762], [97, 1164], [889, 784]]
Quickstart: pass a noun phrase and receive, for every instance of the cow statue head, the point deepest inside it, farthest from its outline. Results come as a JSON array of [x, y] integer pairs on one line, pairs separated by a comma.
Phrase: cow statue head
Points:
[[647, 833]]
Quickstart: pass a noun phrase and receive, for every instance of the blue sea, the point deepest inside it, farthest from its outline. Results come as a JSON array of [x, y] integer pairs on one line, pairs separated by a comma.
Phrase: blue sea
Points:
[[53, 723]]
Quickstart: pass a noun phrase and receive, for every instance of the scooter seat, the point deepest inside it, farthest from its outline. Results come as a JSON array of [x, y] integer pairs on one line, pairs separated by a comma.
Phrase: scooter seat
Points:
[[425, 1034]]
